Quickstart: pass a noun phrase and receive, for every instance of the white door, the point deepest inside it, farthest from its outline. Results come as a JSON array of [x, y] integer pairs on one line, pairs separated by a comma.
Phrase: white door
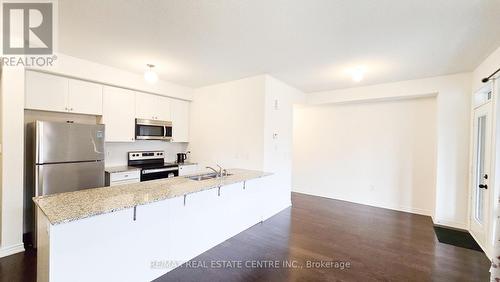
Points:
[[180, 121], [84, 97], [481, 160], [46, 92], [118, 114], [163, 106], [146, 106]]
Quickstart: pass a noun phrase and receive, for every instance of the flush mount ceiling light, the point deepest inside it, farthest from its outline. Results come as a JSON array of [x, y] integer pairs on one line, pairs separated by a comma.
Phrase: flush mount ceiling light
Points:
[[358, 74], [150, 75]]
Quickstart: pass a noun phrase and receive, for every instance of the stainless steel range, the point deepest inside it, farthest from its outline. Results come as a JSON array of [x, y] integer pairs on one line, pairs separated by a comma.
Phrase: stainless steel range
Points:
[[152, 165]]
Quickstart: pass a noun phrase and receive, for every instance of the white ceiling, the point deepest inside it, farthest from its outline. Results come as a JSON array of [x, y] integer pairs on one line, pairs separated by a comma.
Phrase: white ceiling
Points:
[[308, 43]]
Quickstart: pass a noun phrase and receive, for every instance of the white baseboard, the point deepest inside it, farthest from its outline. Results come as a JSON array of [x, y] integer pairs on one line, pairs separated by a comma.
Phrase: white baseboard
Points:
[[10, 250], [449, 223], [377, 205]]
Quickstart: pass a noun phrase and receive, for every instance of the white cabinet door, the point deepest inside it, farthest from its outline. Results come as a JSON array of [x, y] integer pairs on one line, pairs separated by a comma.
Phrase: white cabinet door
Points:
[[84, 97], [187, 169], [180, 121], [146, 106], [163, 106], [119, 114], [46, 92]]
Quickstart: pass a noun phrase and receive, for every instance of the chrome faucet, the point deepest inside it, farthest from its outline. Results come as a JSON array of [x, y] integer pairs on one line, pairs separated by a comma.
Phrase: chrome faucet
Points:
[[216, 172], [220, 172], [220, 169]]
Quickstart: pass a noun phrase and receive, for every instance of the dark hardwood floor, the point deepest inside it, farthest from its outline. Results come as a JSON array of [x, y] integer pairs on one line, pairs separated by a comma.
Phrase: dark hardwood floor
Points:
[[371, 244]]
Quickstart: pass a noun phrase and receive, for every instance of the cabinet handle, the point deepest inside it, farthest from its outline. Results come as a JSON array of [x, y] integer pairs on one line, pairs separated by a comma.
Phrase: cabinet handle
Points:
[[71, 109], [66, 109]]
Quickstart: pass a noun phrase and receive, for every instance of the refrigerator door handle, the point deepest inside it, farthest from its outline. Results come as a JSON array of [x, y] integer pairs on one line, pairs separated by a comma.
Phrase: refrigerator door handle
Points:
[[38, 142], [38, 180]]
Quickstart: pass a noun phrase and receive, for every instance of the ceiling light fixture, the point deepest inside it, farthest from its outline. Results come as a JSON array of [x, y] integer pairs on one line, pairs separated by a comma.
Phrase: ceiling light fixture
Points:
[[358, 74], [149, 75]]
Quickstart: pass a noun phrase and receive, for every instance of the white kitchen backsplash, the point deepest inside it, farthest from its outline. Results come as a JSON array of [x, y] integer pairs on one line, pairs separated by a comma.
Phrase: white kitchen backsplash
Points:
[[116, 153]]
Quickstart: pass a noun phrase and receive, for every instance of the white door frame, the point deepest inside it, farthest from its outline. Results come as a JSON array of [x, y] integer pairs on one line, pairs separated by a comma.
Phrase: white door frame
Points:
[[483, 233]]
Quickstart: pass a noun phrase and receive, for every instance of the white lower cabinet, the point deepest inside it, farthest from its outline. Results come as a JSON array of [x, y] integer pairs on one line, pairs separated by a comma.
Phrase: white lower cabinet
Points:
[[122, 177], [119, 114], [187, 169], [144, 244]]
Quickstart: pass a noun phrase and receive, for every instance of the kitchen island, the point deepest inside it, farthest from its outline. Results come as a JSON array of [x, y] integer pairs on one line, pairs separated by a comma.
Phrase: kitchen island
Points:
[[140, 231]]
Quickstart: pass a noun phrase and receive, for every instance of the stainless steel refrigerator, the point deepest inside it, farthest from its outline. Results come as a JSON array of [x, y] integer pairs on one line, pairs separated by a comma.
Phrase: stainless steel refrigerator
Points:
[[68, 157], [65, 157]]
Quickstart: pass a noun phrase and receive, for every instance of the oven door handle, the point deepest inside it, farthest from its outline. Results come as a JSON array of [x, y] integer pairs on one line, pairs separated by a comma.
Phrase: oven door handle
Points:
[[155, 170]]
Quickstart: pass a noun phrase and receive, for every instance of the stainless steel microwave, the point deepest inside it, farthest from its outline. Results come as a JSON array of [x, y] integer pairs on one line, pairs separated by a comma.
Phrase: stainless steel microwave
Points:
[[148, 129]]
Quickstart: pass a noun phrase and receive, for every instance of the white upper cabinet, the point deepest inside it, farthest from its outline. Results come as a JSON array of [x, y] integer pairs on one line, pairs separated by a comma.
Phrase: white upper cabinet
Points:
[[145, 105], [60, 94], [46, 92], [163, 108], [180, 121], [119, 114], [154, 107], [85, 97]]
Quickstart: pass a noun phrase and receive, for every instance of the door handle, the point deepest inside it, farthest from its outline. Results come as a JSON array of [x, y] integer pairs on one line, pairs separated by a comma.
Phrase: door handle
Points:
[[483, 186]]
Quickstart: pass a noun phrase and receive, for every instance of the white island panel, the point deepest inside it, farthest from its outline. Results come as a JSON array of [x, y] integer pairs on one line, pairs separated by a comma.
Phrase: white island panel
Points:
[[164, 234]]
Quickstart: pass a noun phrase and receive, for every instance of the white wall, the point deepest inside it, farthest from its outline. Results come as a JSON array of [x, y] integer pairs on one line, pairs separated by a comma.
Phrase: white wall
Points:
[[11, 229], [485, 68], [375, 153], [453, 116], [233, 124], [280, 99], [227, 122]]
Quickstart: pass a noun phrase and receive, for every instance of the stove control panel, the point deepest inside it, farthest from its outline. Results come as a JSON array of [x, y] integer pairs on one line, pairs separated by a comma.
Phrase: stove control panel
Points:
[[146, 155]]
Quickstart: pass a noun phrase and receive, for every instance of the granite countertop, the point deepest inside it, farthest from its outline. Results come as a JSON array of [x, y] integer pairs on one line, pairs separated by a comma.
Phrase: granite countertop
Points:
[[71, 206], [115, 169]]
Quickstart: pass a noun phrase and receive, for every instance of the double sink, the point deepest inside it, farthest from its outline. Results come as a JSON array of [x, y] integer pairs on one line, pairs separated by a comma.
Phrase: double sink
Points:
[[206, 176]]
